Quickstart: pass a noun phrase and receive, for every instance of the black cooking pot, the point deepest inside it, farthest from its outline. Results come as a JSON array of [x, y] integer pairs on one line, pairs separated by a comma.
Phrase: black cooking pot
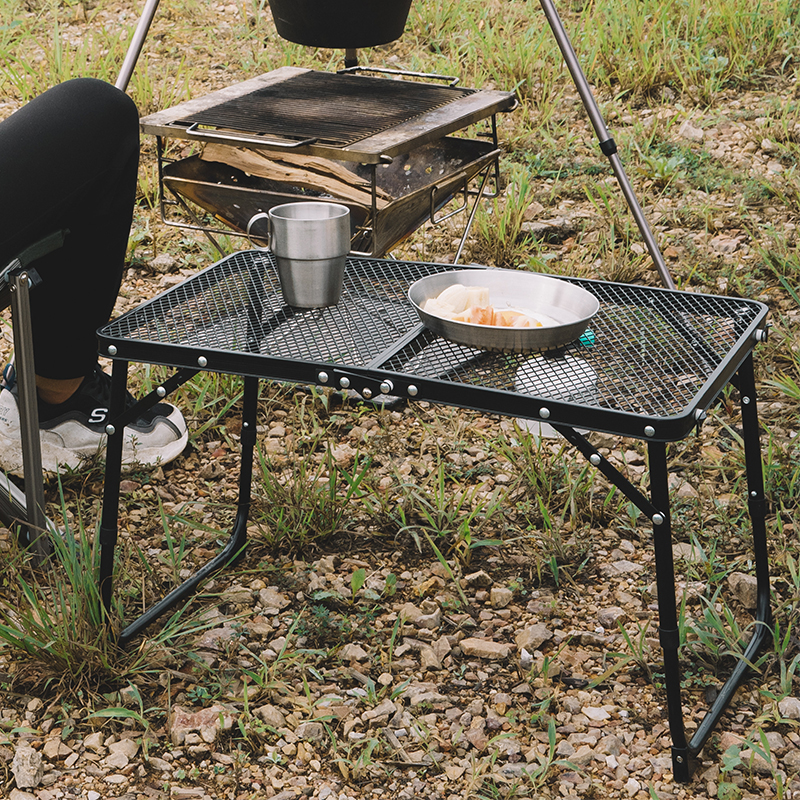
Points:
[[341, 24]]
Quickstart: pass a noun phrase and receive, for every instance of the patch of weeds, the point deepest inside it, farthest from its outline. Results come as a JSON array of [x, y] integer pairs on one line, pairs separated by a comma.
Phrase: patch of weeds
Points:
[[53, 620], [498, 224], [309, 504], [448, 515]]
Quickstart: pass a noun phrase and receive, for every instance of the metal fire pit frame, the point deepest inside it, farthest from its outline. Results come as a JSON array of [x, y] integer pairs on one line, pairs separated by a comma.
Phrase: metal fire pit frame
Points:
[[467, 107], [661, 357]]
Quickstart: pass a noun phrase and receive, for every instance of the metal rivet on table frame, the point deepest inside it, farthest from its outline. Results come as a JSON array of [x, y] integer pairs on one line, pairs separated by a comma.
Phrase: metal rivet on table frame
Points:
[[344, 383], [649, 430], [110, 430], [161, 391], [658, 519], [700, 415], [544, 413], [386, 387], [202, 361], [412, 390], [746, 400], [366, 392], [112, 350], [322, 377], [594, 459]]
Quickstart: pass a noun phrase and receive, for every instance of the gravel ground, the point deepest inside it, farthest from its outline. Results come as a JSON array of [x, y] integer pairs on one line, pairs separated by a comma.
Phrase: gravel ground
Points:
[[304, 682]]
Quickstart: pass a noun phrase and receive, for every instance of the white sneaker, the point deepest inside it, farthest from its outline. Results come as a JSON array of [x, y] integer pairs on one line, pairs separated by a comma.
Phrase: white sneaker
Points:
[[74, 432]]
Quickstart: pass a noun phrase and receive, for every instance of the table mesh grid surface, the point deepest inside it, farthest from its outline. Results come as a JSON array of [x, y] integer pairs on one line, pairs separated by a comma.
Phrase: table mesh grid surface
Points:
[[653, 350]]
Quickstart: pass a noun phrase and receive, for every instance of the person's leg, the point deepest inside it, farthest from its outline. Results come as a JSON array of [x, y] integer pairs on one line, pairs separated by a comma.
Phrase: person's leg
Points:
[[68, 159]]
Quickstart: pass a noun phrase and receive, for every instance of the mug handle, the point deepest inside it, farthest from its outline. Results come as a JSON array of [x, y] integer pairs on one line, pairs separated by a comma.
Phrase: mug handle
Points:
[[255, 218]]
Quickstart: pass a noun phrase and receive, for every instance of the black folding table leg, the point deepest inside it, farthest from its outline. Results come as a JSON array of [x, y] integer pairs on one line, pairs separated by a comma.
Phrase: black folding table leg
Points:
[[109, 520], [667, 610], [757, 508], [234, 548]]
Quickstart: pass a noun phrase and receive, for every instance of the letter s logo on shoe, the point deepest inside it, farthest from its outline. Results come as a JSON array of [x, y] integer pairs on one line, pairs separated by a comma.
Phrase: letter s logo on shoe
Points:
[[98, 415]]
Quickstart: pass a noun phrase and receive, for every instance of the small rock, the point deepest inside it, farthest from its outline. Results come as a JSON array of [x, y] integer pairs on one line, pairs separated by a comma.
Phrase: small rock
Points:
[[310, 731], [725, 244], [632, 786], [533, 637], [500, 597], [212, 471], [162, 263], [755, 762], [745, 588], [237, 595], [272, 716], [688, 552], [27, 767], [420, 619], [385, 709], [16, 794], [208, 722], [791, 761], [353, 652], [596, 714], [477, 580], [621, 567], [116, 761], [94, 741], [485, 648], [608, 617], [344, 455], [428, 659], [54, 749], [789, 707], [689, 131], [215, 638], [582, 756], [127, 746]]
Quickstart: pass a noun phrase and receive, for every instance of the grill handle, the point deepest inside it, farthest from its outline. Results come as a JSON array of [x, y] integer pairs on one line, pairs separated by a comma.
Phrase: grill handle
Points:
[[452, 80], [216, 136]]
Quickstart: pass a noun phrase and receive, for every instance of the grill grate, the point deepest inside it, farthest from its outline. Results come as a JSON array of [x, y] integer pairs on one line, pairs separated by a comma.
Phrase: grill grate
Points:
[[654, 350], [338, 110]]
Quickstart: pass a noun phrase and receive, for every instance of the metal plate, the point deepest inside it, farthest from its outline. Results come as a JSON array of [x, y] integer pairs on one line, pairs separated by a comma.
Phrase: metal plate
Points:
[[563, 308]]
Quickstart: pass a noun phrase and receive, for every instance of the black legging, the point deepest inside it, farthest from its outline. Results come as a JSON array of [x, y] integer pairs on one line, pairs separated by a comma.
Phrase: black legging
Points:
[[69, 159]]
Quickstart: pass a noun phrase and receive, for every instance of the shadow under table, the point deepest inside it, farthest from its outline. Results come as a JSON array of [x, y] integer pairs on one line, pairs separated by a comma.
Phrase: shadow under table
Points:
[[655, 362]]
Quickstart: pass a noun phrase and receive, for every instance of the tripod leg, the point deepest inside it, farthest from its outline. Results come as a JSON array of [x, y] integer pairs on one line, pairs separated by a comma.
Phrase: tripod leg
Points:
[[607, 144], [135, 47]]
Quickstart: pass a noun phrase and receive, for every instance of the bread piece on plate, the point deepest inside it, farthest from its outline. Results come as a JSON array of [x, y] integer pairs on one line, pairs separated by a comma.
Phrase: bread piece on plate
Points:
[[438, 309], [455, 297]]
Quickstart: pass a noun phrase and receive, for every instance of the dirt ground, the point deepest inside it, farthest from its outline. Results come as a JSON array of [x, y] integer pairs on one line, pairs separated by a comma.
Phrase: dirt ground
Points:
[[363, 666]]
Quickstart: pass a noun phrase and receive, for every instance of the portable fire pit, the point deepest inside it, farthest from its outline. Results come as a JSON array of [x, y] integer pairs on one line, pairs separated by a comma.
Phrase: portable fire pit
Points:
[[380, 145]]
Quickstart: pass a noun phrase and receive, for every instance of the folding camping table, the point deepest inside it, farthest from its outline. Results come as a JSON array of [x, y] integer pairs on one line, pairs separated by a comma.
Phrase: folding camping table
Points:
[[659, 358]]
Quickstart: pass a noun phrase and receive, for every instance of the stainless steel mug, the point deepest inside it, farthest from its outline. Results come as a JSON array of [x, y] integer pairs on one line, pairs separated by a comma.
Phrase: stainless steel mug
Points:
[[310, 242]]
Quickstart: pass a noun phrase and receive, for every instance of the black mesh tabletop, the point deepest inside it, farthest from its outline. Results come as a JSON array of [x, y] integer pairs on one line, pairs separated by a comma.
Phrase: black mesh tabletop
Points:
[[651, 361]]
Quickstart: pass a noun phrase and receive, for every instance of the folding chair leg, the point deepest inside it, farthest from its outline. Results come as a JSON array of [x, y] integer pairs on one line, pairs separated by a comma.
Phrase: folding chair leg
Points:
[[29, 417]]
